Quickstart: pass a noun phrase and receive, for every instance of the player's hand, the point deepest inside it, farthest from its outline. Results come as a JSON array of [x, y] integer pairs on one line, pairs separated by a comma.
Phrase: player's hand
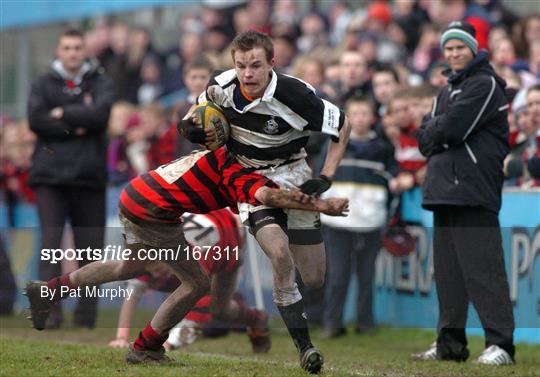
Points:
[[190, 129], [119, 343], [316, 186], [337, 207]]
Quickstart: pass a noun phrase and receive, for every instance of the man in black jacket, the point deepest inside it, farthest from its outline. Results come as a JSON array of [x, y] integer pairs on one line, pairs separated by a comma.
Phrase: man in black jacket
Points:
[[68, 109], [466, 139]]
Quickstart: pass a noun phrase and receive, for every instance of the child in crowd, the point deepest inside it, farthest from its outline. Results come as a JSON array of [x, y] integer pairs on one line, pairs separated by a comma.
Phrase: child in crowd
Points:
[[385, 82], [140, 137], [16, 148], [196, 77], [362, 176], [118, 167], [410, 161]]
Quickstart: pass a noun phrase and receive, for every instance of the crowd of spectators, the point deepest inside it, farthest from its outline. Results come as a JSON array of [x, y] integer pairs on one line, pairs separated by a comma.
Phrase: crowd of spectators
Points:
[[387, 52]]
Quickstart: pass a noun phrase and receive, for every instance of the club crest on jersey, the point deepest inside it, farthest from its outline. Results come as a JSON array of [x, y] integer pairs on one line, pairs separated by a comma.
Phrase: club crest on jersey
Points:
[[272, 127]]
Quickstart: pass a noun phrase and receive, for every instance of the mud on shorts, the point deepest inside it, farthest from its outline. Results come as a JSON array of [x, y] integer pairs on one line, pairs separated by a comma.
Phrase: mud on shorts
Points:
[[153, 234], [304, 227]]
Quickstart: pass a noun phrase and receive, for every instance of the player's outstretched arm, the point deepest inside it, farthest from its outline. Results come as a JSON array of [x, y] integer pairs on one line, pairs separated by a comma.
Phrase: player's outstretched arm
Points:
[[295, 199]]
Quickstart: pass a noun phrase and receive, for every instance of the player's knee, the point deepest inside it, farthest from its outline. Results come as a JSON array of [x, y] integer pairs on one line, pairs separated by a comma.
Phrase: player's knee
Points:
[[313, 281]]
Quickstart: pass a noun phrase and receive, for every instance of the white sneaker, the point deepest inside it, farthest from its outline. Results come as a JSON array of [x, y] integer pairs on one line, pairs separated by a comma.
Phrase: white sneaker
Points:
[[495, 355], [430, 354]]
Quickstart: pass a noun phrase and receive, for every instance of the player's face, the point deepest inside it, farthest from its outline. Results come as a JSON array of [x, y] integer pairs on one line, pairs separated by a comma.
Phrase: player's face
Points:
[[253, 70], [70, 51], [457, 54]]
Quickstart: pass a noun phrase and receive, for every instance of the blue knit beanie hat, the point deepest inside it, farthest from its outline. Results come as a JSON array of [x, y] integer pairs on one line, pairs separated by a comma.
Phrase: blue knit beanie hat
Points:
[[463, 31]]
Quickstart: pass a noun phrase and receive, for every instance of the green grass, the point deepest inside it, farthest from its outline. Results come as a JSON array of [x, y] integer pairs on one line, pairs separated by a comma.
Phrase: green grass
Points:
[[66, 352]]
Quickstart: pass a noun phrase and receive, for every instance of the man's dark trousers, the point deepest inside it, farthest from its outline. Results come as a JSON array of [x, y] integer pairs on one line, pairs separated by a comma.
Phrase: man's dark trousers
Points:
[[469, 265], [85, 209]]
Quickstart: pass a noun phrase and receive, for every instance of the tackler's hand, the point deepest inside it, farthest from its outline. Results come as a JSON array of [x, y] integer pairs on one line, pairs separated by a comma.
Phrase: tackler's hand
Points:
[[316, 186], [337, 207], [190, 129], [119, 343]]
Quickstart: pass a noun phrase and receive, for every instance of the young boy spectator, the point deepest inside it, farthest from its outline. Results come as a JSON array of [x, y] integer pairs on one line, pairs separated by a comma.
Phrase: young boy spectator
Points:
[[196, 76], [118, 167], [522, 130], [16, 146], [385, 82], [140, 137], [532, 154], [435, 76], [151, 88], [408, 156], [162, 147], [421, 102], [362, 176]]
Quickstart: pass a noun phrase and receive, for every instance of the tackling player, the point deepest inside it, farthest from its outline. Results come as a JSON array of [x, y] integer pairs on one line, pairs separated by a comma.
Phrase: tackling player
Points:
[[220, 229], [150, 209]]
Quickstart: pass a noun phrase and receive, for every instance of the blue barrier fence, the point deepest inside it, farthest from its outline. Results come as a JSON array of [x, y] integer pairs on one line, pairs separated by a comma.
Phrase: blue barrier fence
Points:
[[405, 291], [18, 14]]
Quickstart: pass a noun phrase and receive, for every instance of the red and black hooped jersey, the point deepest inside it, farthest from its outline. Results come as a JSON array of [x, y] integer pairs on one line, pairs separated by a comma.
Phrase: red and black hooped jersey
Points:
[[200, 182]]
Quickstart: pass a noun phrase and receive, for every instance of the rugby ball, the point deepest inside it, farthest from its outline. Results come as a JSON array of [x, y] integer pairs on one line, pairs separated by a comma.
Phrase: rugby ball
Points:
[[211, 116]]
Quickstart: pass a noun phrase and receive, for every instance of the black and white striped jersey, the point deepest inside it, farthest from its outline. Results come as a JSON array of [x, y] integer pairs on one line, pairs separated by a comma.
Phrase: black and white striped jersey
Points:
[[274, 128]]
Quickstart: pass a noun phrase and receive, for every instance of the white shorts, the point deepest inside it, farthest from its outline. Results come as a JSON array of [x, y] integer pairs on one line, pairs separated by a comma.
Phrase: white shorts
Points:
[[289, 176]]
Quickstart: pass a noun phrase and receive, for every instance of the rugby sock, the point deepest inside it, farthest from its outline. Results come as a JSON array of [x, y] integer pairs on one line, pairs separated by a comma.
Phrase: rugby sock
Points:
[[58, 282], [246, 315], [201, 311], [296, 322], [149, 339]]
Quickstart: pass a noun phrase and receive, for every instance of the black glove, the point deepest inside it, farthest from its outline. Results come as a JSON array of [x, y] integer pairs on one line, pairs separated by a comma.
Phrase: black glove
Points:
[[191, 131], [316, 186]]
